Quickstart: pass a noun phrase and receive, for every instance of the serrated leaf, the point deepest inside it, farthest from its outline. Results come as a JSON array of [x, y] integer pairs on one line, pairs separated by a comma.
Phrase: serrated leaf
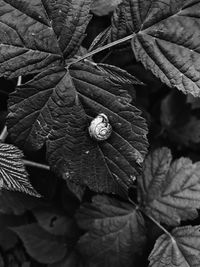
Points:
[[41, 245], [36, 34], [170, 192], [56, 108], [27, 41], [166, 39], [115, 232], [69, 21], [179, 250], [104, 7], [13, 175]]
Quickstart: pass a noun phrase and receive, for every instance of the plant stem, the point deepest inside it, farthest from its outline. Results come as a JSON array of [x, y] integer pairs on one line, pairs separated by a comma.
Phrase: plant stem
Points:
[[158, 224], [152, 219], [36, 165], [100, 49], [4, 134]]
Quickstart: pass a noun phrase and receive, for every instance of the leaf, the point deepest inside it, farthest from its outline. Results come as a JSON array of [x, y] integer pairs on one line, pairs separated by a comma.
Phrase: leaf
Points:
[[179, 250], [28, 43], [54, 222], [69, 21], [115, 232], [57, 107], [103, 7], [76, 189], [166, 39], [41, 245], [13, 175], [169, 192]]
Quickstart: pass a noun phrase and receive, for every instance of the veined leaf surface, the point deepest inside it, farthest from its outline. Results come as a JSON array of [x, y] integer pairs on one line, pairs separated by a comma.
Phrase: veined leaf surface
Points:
[[57, 107], [115, 232], [13, 175], [170, 192], [181, 250], [166, 39]]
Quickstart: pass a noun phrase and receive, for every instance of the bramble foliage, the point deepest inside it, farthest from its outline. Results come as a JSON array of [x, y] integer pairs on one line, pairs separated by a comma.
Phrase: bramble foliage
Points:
[[75, 200]]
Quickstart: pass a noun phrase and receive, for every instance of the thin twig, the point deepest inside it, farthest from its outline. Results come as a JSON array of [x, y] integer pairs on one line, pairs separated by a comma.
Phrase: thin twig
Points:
[[4, 134], [36, 165], [100, 49]]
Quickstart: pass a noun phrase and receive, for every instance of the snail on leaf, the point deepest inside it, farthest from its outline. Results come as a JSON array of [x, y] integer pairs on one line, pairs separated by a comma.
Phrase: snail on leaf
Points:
[[100, 128]]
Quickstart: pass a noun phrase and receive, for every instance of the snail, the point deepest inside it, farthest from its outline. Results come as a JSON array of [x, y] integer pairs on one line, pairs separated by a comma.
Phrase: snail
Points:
[[100, 128]]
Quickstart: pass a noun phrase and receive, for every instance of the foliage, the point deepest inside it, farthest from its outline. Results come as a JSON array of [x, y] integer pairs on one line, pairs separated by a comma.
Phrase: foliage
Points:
[[66, 198]]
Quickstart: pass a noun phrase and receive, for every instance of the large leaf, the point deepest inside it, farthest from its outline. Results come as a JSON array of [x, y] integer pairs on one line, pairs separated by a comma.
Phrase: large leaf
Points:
[[35, 34], [69, 21], [13, 175], [57, 107], [182, 249], [41, 245], [166, 39], [27, 41], [170, 192], [116, 232]]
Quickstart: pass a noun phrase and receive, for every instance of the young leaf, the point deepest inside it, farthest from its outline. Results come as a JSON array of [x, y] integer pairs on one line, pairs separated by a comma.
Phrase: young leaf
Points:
[[69, 21], [13, 175], [170, 192], [115, 232], [166, 39], [41, 245], [28, 43], [182, 249], [57, 107]]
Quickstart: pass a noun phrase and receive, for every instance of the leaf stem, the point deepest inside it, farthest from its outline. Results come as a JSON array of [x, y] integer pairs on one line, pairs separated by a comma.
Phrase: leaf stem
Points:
[[100, 49], [4, 134], [152, 219], [36, 165]]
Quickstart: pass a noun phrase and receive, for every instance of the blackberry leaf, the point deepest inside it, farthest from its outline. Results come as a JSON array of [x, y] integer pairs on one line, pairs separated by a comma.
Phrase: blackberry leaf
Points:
[[36, 34], [27, 41], [166, 39], [179, 250], [41, 245], [115, 232], [13, 175], [69, 21], [170, 192], [57, 107]]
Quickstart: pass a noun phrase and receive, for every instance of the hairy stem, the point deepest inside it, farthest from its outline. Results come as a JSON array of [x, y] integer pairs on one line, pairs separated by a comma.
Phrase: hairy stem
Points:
[[36, 165], [100, 49]]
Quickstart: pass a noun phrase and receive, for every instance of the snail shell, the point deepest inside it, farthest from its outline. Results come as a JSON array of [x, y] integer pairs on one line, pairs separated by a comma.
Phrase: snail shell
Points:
[[100, 128]]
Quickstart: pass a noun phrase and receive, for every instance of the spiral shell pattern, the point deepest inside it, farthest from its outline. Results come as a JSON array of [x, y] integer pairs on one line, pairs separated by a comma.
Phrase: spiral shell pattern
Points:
[[100, 128]]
